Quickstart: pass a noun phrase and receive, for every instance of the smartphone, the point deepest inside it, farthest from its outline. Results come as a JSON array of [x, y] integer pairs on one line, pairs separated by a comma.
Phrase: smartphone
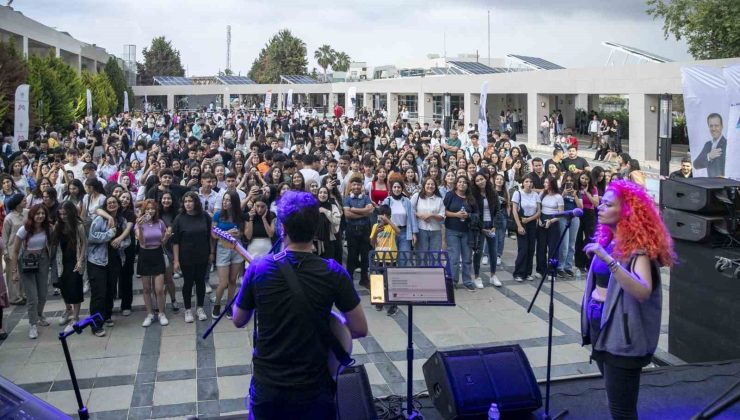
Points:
[[147, 217], [568, 185]]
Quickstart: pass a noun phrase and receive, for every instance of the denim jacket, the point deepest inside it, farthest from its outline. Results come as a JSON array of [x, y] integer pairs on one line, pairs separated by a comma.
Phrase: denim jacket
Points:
[[412, 226], [628, 327], [97, 241]]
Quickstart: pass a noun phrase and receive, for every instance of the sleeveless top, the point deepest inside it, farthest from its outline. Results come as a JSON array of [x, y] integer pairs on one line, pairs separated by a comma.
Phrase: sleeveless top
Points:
[[377, 196]]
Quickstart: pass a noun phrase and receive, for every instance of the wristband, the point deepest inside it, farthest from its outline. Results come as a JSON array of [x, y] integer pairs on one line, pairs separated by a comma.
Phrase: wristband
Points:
[[614, 266]]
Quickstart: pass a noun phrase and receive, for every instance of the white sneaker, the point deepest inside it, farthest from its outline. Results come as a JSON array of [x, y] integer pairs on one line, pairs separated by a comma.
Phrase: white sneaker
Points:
[[484, 260], [498, 260], [163, 320], [201, 314], [69, 328], [213, 298], [208, 288], [177, 275], [529, 278], [64, 319], [478, 282], [496, 282], [86, 287], [126, 312], [537, 276], [33, 332], [188, 316], [519, 279], [148, 320]]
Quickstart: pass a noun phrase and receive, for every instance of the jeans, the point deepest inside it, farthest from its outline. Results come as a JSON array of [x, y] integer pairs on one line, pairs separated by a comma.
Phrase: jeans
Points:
[[568, 248], [622, 390], [547, 241], [36, 285], [502, 221], [458, 247], [358, 247], [429, 240], [525, 247], [583, 237], [268, 402], [194, 272], [403, 245], [490, 245]]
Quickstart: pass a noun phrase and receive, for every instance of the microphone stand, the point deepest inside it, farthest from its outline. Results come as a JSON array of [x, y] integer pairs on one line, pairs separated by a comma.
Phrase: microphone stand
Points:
[[554, 264], [78, 327], [210, 328]]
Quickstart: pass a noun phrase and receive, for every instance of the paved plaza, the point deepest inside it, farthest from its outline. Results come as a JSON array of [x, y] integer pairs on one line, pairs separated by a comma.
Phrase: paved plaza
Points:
[[163, 372]]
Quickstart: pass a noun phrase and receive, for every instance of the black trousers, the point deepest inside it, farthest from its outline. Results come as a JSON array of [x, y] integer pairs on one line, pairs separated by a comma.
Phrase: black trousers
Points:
[[125, 283], [547, 241], [585, 233], [622, 390], [525, 247], [268, 402], [358, 247], [102, 287], [194, 273], [601, 153]]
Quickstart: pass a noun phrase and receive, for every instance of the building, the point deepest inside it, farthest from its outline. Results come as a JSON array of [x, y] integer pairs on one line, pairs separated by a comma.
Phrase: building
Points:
[[34, 38]]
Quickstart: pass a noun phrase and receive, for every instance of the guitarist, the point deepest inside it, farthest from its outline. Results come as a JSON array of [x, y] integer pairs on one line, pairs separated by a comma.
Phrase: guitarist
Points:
[[291, 378]]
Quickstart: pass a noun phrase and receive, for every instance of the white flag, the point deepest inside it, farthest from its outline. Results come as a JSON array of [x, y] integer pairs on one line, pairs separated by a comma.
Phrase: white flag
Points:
[[20, 131], [482, 122], [125, 101], [289, 101], [351, 102], [268, 101]]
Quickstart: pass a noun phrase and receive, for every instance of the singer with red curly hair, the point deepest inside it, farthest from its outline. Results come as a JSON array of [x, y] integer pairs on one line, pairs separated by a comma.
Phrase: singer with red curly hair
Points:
[[622, 302]]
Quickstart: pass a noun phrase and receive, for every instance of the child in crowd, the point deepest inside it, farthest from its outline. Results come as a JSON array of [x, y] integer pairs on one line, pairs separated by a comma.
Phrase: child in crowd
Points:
[[383, 239]]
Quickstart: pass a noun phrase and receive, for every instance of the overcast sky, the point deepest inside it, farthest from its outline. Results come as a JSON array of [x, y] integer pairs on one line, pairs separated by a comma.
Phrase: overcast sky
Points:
[[380, 32]]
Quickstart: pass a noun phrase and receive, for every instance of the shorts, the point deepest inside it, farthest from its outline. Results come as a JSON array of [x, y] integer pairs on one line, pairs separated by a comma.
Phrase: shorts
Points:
[[227, 256]]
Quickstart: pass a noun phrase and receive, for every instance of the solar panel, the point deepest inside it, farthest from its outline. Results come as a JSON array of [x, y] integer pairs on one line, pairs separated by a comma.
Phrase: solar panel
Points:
[[235, 80], [298, 79], [536, 62], [172, 80], [441, 71], [470, 67], [637, 52]]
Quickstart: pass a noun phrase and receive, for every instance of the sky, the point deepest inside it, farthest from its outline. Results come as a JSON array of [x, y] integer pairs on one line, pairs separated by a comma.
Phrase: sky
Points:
[[379, 32]]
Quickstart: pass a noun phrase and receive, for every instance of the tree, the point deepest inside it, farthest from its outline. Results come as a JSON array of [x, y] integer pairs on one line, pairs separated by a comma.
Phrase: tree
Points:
[[341, 61], [13, 72], [283, 54], [160, 59], [118, 83], [104, 99], [324, 57], [711, 27], [56, 91]]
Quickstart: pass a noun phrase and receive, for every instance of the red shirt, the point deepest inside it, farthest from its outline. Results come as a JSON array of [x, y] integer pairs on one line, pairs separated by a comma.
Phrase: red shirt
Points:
[[338, 111], [377, 196]]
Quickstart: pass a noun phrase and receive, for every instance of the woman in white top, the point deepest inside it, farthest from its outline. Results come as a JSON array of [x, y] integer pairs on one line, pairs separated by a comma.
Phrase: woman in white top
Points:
[[548, 227], [32, 244], [430, 214], [526, 211]]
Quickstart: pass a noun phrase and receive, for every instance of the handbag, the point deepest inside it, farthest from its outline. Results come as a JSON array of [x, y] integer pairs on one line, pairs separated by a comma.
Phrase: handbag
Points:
[[30, 262]]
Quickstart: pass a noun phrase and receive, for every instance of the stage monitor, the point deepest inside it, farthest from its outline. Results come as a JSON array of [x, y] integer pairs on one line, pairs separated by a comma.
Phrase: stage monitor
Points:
[[414, 286]]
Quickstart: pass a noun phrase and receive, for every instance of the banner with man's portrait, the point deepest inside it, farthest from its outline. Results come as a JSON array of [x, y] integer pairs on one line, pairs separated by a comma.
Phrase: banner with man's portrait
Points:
[[706, 105], [732, 77]]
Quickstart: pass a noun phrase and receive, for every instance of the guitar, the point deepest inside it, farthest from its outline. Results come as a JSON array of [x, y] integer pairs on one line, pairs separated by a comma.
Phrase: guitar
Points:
[[337, 322]]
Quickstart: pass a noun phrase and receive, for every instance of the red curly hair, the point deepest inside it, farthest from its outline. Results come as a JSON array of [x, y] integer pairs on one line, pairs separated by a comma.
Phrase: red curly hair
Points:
[[640, 226]]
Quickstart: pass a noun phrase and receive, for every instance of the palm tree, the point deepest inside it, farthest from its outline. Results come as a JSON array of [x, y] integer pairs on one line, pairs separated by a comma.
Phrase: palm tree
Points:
[[325, 57], [341, 61]]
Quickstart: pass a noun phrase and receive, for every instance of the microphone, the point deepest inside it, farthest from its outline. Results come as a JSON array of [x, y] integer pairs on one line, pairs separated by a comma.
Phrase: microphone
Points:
[[576, 212]]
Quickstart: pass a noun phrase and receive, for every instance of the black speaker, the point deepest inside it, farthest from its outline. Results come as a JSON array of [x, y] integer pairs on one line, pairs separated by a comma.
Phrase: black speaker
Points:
[[354, 395], [704, 310], [693, 227], [699, 194], [464, 383]]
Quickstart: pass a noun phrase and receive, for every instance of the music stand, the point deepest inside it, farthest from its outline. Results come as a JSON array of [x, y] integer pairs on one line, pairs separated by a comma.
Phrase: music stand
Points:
[[411, 278]]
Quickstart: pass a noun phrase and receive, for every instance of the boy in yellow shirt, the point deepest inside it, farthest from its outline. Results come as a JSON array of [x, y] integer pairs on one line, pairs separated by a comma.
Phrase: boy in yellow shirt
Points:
[[383, 239]]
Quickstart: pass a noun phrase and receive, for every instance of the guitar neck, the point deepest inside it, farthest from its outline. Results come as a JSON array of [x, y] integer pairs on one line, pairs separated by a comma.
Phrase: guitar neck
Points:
[[238, 247]]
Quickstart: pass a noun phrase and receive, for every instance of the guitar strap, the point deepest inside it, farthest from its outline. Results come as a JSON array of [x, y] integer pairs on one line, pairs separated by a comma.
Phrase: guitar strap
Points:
[[327, 338]]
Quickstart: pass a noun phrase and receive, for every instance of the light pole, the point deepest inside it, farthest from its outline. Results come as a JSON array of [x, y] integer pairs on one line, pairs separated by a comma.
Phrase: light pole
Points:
[[665, 125]]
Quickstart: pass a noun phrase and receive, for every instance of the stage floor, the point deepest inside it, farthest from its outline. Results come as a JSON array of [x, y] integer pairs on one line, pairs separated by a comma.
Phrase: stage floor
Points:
[[161, 372]]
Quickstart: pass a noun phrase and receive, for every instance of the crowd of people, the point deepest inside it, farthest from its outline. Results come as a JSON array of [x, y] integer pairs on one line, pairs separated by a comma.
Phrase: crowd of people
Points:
[[133, 197]]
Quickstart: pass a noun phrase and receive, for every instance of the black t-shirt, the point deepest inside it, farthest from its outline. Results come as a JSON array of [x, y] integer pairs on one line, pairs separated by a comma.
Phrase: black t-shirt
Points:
[[577, 163], [560, 165], [193, 234], [288, 353]]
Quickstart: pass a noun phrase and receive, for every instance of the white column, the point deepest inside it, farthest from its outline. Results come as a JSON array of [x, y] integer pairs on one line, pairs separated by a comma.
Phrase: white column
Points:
[[426, 108], [171, 101], [367, 101], [471, 102], [392, 104], [581, 101], [643, 135], [535, 112], [24, 42], [57, 52]]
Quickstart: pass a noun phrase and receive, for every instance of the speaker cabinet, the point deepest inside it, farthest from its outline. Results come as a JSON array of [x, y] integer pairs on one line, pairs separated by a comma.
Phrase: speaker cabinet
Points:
[[692, 227], [354, 395], [699, 194], [464, 383]]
